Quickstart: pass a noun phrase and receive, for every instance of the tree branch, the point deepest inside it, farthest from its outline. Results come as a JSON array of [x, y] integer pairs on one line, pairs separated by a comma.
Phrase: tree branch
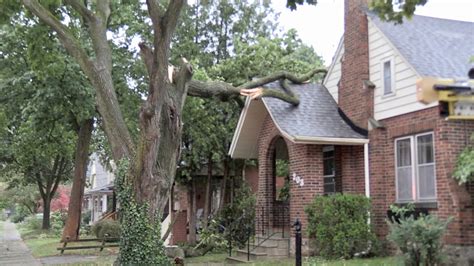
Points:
[[79, 6], [170, 19], [225, 91], [65, 36], [148, 57]]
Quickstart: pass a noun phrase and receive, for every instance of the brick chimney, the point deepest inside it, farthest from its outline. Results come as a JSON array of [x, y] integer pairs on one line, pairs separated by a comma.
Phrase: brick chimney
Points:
[[355, 98]]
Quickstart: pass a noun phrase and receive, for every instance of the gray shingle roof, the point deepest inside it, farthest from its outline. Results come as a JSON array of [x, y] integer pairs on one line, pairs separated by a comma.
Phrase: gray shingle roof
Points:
[[317, 114], [433, 46]]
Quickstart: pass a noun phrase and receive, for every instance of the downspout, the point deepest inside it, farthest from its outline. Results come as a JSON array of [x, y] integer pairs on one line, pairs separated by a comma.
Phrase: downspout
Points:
[[366, 170]]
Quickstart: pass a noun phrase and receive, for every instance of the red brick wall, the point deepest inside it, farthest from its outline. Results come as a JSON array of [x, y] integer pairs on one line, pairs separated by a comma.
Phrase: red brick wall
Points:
[[306, 162], [251, 176], [450, 138], [354, 99], [179, 231]]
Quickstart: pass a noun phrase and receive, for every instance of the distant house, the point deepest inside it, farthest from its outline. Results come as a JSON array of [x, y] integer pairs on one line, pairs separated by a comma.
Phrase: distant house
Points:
[[362, 131], [99, 197]]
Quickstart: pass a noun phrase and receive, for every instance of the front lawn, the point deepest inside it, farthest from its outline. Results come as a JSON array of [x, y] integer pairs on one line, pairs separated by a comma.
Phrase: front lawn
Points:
[[43, 243], [211, 259]]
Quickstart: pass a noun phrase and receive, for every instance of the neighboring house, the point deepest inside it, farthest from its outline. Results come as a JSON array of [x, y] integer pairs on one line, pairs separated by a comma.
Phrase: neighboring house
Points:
[[99, 197], [363, 131]]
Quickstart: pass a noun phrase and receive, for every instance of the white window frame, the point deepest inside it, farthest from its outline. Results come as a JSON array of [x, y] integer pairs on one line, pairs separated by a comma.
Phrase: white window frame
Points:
[[414, 171], [392, 76], [333, 175]]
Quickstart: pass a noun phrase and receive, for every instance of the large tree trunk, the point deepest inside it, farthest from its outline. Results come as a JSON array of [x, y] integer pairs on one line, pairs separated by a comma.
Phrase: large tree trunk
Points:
[[46, 212], [73, 222], [208, 195], [192, 213]]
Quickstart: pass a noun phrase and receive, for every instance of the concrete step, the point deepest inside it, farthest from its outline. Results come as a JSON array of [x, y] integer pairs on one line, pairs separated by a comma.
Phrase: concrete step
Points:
[[242, 254], [272, 251], [283, 243], [236, 260]]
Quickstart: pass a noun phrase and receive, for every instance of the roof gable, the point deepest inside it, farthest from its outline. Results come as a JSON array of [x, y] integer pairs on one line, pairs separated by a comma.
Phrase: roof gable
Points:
[[434, 47], [316, 120]]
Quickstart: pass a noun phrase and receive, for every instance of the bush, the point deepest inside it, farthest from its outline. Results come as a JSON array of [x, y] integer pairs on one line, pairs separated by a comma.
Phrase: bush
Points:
[[238, 218], [86, 217], [420, 240], [32, 222], [58, 221], [19, 215], [110, 227], [339, 225]]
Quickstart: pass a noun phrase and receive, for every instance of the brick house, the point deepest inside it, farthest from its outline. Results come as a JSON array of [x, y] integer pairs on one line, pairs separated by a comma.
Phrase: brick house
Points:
[[363, 131]]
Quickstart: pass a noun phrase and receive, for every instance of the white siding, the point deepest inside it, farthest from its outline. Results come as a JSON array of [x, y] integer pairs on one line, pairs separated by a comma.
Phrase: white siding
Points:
[[334, 73], [403, 100]]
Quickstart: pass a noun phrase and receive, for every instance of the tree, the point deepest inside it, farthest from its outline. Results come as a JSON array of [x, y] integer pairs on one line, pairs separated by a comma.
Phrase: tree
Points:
[[153, 159], [395, 10], [35, 82]]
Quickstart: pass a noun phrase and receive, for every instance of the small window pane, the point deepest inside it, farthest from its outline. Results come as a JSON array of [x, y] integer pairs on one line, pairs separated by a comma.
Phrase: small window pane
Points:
[[426, 182], [328, 168], [404, 184], [425, 149], [387, 77], [403, 152], [329, 185]]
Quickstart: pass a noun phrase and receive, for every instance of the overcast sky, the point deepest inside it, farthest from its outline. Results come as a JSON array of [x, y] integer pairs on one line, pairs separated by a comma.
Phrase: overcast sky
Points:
[[322, 26]]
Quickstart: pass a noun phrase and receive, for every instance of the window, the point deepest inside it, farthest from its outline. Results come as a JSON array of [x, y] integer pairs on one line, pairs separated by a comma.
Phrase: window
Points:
[[387, 77], [329, 170], [415, 168]]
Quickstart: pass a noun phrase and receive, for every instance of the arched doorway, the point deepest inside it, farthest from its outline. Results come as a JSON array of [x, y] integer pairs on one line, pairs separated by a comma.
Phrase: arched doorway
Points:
[[274, 199]]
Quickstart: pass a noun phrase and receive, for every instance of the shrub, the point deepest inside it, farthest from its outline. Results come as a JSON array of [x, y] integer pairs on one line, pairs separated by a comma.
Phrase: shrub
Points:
[[110, 227], [86, 217], [58, 221], [19, 215], [238, 217], [420, 240], [339, 225], [32, 222]]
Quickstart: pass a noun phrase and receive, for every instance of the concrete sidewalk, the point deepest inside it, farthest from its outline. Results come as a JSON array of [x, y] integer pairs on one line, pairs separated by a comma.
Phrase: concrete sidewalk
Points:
[[13, 251]]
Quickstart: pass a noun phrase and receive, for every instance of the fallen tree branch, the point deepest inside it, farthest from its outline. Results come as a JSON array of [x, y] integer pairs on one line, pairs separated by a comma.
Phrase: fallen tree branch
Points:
[[225, 91]]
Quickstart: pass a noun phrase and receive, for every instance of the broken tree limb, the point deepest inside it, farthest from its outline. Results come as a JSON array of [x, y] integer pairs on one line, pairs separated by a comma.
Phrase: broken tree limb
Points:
[[225, 91]]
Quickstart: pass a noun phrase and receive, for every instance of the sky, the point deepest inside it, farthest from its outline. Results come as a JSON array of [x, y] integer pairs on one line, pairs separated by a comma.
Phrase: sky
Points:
[[322, 25]]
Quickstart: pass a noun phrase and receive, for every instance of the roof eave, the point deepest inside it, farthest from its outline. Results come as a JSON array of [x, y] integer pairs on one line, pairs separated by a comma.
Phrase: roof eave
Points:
[[327, 140]]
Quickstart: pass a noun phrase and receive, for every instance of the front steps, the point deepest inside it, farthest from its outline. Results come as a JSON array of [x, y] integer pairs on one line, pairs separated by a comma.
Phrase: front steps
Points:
[[262, 248]]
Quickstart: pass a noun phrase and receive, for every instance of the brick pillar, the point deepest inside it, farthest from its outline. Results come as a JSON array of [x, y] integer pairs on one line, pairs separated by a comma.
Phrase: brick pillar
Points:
[[354, 99]]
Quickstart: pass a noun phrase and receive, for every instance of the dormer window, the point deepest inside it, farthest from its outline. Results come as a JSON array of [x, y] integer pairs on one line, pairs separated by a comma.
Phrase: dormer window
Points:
[[388, 77]]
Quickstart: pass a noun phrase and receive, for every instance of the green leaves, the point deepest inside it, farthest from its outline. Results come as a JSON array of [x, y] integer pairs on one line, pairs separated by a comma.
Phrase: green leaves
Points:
[[395, 10], [140, 237], [420, 240], [464, 170], [339, 224]]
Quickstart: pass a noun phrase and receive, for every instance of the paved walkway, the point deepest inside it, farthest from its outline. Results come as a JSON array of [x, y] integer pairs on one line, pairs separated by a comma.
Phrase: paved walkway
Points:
[[13, 251]]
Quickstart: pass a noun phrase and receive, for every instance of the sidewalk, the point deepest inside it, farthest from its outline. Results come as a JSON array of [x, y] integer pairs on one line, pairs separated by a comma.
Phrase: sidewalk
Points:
[[13, 251]]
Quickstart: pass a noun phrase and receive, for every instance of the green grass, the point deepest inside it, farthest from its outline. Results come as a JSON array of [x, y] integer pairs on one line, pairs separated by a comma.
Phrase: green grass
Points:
[[44, 243], [309, 261]]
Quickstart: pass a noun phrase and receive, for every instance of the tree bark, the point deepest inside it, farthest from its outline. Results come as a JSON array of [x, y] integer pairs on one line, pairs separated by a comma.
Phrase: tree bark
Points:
[[192, 213], [46, 212], [208, 194], [73, 222]]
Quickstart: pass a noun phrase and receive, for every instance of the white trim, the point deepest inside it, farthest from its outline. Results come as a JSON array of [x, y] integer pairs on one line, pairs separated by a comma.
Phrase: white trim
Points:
[[415, 189], [239, 126], [366, 170], [326, 140]]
